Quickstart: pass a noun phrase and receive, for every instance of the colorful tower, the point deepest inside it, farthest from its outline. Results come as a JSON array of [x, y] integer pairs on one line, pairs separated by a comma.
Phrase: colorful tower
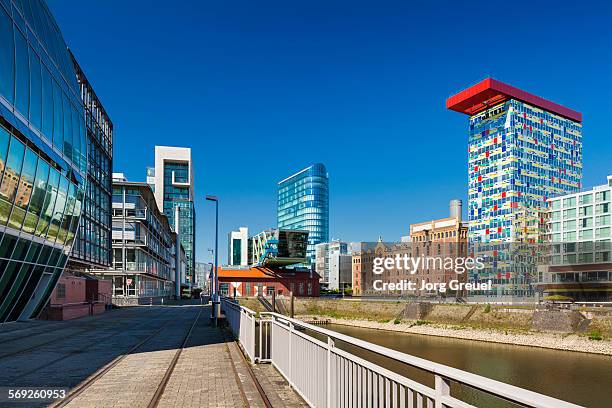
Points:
[[522, 150]]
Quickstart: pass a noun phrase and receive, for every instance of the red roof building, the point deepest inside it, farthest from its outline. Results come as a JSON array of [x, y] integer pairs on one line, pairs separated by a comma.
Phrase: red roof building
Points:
[[254, 281]]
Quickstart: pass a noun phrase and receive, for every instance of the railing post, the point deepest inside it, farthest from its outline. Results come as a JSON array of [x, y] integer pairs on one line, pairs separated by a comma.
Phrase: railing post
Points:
[[442, 389], [290, 352], [330, 345], [261, 328]]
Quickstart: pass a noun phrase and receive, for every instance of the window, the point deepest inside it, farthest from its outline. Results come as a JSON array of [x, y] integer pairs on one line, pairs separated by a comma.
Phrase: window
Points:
[[35, 90], [586, 199], [7, 60], [270, 290], [61, 291], [569, 202], [602, 232], [22, 74], [571, 213], [602, 208], [11, 175], [602, 196], [47, 104], [586, 234]]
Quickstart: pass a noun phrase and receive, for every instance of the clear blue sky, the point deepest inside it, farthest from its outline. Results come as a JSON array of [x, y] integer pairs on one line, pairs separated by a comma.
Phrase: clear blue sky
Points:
[[260, 89]]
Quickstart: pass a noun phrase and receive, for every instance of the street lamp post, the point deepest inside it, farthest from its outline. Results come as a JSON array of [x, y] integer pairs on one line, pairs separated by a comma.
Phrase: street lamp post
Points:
[[215, 299]]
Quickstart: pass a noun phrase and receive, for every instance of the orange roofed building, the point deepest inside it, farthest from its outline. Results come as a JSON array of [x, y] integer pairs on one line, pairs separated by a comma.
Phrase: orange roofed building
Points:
[[259, 280]]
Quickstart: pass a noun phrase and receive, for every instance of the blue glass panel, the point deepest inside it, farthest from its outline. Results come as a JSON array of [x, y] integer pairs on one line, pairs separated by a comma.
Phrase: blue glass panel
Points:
[[7, 57]]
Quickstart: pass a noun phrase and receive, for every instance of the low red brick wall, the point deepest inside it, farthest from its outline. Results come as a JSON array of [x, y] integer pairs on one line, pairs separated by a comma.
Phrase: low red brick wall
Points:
[[68, 312]]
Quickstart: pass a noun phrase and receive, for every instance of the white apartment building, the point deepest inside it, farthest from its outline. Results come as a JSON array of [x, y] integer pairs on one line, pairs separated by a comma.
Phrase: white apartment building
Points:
[[579, 232], [238, 247]]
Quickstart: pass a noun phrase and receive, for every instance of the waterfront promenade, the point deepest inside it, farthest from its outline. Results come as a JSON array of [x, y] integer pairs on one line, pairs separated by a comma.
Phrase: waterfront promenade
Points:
[[148, 356]]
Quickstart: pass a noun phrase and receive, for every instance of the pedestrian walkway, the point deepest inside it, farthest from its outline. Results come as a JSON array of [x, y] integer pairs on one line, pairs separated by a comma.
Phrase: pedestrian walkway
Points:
[[130, 358]]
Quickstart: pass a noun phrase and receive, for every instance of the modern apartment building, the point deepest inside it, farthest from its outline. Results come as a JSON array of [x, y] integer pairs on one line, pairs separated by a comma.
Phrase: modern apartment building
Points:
[[303, 204], [144, 246], [340, 270], [579, 243], [43, 157], [332, 264], [238, 247], [92, 247], [173, 177], [522, 150]]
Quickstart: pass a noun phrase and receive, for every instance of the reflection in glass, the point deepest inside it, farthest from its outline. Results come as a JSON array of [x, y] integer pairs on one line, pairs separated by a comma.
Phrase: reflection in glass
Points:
[[10, 178], [58, 211], [49, 203], [35, 90], [22, 74], [24, 191], [7, 53]]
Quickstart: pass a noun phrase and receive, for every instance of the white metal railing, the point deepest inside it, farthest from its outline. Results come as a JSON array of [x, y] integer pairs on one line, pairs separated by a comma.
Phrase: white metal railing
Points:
[[326, 376], [242, 322]]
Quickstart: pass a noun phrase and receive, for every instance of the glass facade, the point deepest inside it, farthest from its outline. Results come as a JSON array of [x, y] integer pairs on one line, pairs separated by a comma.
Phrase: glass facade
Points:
[[177, 194], [303, 204], [43, 158], [92, 247], [520, 156]]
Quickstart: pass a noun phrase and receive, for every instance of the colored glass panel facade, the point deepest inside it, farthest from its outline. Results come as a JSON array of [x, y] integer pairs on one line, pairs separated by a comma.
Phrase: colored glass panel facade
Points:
[[303, 204], [519, 156], [43, 158]]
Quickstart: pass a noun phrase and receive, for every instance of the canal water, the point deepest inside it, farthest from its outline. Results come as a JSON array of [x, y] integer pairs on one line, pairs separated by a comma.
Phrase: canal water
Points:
[[581, 378]]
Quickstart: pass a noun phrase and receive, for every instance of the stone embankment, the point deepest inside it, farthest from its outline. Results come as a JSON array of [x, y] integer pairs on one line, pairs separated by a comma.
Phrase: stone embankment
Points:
[[557, 341], [585, 330]]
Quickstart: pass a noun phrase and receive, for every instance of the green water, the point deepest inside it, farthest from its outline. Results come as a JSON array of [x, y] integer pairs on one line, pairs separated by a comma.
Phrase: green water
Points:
[[583, 379]]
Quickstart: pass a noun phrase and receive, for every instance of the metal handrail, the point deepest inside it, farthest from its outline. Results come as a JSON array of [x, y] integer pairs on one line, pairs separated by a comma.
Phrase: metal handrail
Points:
[[490, 386]]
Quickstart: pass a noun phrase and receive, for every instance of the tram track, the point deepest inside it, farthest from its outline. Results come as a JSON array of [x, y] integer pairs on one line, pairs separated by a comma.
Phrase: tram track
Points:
[[86, 347], [58, 339], [88, 383]]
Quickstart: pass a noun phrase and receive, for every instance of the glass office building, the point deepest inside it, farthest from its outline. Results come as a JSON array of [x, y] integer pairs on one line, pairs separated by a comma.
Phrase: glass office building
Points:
[[43, 160], [522, 151], [303, 204], [92, 247]]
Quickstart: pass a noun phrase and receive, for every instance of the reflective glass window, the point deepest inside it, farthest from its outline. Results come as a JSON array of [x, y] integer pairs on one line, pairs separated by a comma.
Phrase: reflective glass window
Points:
[[4, 142], [24, 191], [39, 189], [22, 74], [10, 178], [76, 141], [58, 118], [66, 234], [35, 91], [49, 202], [58, 211], [67, 147], [7, 57], [47, 104]]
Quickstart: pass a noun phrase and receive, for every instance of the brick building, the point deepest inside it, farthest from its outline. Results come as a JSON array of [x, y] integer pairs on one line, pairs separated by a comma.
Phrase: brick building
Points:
[[258, 280]]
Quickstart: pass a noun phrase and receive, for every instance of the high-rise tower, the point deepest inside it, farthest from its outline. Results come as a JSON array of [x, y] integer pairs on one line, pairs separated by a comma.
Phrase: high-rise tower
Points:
[[173, 186], [303, 204], [522, 150]]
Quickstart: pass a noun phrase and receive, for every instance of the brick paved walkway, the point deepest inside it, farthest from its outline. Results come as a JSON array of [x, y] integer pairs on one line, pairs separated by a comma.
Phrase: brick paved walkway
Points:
[[211, 371]]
